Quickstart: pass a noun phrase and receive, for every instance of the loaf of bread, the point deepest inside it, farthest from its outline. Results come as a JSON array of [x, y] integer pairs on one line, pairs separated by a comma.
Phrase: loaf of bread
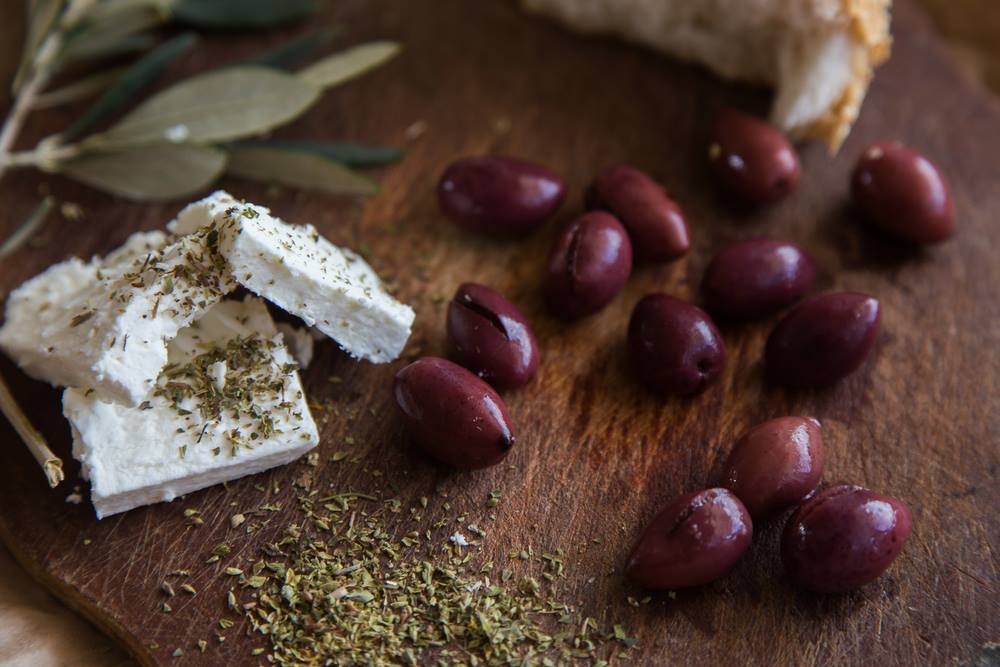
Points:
[[819, 55]]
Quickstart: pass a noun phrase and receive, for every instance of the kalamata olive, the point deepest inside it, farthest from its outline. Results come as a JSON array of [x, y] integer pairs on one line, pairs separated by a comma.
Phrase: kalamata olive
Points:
[[674, 346], [488, 335], [822, 339], [901, 191], [654, 220], [775, 464], [499, 195], [453, 415], [588, 265], [756, 277], [842, 538], [696, 539], [751, 159]]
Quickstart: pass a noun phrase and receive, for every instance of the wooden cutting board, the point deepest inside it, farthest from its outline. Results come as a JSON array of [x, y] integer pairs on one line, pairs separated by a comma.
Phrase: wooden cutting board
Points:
[[598, 455]]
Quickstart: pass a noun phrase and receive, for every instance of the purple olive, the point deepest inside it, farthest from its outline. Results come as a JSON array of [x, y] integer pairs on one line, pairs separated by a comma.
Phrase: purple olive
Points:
[[488, 335], [901, 191], [453, 415], [842, 538], [822, 339], [776, 464], [751, 159], [674, 346], [588, 266], [499, 195], [757, 277], [654, 220], [696, 539]]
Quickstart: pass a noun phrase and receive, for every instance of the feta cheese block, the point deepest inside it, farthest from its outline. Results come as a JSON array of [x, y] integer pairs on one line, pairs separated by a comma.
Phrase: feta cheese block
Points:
[[105, 325], [295, 268], [228, 404]]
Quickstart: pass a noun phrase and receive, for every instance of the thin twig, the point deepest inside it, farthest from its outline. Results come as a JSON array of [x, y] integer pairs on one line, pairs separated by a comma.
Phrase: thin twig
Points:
[[22, 105], [27, 228], [42, 157], [51, 464]]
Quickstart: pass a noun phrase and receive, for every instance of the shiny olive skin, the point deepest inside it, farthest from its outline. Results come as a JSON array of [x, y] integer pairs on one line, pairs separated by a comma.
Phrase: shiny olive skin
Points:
[[500, 196], [654, 221], [674, 346], [822, 339], [588, 266], [696, 539], [775, 464], [754, 278], [453, 415], [903, 193], [492, 338], [751, 159], [842, 538]]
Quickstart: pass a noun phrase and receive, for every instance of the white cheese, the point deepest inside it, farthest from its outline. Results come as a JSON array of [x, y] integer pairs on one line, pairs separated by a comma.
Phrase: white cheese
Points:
[[186, 437], [292, 266], [105, 325]]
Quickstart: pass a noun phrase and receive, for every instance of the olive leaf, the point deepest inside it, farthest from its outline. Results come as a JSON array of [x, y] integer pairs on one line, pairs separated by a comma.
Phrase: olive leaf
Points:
[[109, 9], [42, 14], [340, 67], [143, 72], [237, 14], [152, 173], [294, 51], [297, 169], [348, 154], [79, 89], [120, 32], [220, 105]]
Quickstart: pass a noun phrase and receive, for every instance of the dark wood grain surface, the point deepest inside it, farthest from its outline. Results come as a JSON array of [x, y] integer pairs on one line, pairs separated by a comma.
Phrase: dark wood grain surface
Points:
[[597, 455]]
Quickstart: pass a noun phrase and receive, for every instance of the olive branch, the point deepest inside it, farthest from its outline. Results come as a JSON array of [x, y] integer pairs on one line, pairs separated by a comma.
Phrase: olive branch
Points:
[[184, 137]]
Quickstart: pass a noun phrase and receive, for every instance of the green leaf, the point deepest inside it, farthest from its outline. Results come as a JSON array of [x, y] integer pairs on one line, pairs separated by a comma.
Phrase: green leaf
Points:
[[151, 173], [340, 67], [113, 34], [294, 51], [79, 89], [241, 14], [297, 169], [139, 75], [346, 153], [42, 15], [221, 105]]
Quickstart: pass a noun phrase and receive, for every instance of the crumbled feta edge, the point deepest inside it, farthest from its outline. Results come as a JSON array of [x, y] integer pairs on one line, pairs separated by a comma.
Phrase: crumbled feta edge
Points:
[[372, 324], [75, 402]]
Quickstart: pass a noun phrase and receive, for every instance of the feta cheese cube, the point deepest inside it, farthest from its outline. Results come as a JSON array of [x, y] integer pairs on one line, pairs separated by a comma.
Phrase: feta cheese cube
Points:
[[195, 429], [105, 325], [292, 266]]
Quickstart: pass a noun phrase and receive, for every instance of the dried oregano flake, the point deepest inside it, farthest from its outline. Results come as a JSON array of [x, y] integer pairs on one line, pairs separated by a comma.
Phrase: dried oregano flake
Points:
[[344, 594]]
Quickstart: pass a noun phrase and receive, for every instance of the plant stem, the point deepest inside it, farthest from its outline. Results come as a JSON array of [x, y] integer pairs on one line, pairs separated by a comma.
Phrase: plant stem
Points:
[[51, 464], [39, 157], [15, 119]]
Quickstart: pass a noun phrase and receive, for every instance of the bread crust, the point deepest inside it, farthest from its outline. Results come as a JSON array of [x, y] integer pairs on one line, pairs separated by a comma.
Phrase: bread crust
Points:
[[754, 41], [868, 23]]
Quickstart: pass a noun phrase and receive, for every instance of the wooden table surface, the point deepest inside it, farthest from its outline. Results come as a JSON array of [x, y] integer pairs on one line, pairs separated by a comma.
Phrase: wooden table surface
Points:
[[598, 455]]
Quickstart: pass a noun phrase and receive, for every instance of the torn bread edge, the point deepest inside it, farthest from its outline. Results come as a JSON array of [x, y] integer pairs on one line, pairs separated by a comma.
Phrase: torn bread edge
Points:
[[820, 69]]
